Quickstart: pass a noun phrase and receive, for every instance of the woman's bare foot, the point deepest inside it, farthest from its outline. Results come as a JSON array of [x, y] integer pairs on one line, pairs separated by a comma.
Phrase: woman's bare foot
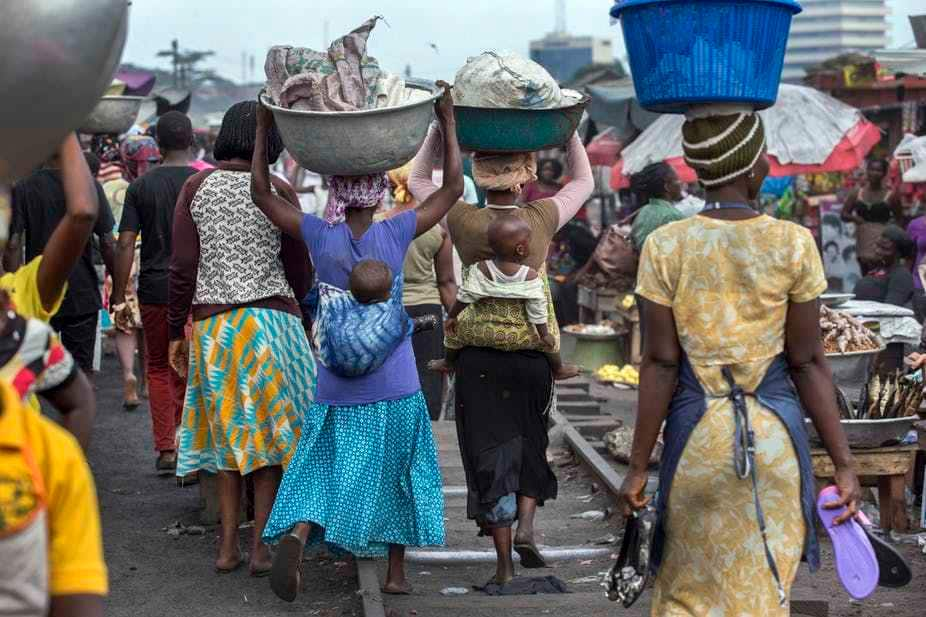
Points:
[[261, 560], [229, 560], [397, 588], [565, 371], [441, 366]]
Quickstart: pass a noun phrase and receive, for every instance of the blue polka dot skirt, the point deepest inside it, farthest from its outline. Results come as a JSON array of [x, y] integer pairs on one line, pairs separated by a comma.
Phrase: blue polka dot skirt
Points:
[[367, 476]]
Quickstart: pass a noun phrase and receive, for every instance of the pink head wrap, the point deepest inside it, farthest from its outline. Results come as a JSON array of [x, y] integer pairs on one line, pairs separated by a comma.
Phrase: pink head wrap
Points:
[[353, 192]]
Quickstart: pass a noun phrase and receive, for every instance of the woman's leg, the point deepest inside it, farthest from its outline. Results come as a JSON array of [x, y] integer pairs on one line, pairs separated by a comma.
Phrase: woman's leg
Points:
[[527, 508], [396, 581], [125, 350], [229, 483], [266, 482], [504, 565]]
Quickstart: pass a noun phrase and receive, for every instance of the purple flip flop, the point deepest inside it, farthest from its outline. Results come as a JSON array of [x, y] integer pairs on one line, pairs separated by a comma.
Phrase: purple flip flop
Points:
[[856, 563]]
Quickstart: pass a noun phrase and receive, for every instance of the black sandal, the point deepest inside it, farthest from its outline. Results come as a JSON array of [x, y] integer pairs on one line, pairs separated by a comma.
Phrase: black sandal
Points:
[[286, 574], [530, 555], [894, 570]]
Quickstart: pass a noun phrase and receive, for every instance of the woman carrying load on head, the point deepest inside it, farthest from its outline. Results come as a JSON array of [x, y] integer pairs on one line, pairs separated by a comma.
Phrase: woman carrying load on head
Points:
[[365, 475], [504, 384], [430, 288], [251, 373], [729, 305]]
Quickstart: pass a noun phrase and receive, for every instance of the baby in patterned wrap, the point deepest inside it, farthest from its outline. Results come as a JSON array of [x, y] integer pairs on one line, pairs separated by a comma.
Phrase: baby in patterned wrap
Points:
[[355, 333], [506, 276]]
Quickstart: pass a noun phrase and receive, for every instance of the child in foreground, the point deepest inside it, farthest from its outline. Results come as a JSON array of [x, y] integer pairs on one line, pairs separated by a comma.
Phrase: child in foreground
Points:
[[354, 333], [506, 276]]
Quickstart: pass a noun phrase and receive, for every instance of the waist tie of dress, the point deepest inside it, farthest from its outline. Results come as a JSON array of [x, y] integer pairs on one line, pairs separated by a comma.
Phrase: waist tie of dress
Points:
[[744, 462]]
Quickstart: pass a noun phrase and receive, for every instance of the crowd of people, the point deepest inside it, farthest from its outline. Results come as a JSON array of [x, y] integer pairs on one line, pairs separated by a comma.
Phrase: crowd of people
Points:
[[299, 350]]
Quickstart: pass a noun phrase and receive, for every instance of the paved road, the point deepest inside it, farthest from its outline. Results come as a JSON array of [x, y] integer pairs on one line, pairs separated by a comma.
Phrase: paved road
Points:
[[155, 575]]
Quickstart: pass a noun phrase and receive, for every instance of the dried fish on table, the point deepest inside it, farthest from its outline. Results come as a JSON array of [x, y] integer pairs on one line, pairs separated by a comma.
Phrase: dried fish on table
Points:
[[891, 396]]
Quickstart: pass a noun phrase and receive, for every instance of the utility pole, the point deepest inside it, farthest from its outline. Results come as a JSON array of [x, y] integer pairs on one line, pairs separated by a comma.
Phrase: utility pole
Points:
[[184, 63], [174, 54]]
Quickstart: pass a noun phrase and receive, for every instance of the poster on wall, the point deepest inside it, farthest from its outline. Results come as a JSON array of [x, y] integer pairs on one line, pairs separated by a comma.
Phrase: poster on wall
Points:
[[837, 241]]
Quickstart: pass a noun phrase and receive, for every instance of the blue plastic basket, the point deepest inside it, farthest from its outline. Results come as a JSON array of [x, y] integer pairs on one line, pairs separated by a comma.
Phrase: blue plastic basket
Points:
[[689, 52]]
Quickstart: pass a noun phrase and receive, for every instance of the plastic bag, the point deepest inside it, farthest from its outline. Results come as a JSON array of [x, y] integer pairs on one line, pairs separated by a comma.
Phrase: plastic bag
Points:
[[508, 81]]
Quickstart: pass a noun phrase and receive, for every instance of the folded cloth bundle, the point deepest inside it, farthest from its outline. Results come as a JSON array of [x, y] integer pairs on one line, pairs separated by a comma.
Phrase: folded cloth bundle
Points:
[[344, 78]]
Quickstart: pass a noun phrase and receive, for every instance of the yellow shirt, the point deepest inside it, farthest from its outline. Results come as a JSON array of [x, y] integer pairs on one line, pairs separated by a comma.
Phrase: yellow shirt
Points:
[[23, 288], [729, 284], [46, 478]]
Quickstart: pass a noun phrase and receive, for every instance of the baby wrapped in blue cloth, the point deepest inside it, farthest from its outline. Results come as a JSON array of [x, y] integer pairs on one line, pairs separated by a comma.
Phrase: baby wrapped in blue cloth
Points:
[[354, 332]]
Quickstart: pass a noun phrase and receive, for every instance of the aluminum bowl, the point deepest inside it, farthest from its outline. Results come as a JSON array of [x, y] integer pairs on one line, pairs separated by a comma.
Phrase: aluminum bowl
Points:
[[868, 433], [852, 369], [113, 115], [58, 58], [834, 300], [354, 143]]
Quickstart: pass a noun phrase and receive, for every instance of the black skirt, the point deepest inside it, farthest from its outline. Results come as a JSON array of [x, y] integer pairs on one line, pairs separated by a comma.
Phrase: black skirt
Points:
[[429, 345], [503, 402]]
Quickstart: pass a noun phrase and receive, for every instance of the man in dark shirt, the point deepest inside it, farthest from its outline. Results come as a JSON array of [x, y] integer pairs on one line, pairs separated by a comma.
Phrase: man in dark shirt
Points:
[[149, 210], [38, 207]]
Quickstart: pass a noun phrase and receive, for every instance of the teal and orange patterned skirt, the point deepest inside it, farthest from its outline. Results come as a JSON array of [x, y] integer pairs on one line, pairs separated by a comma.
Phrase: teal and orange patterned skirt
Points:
[[251, 381]]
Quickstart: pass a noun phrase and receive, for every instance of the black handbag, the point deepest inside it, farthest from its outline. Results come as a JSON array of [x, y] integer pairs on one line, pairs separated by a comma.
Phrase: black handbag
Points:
[[630, 574]]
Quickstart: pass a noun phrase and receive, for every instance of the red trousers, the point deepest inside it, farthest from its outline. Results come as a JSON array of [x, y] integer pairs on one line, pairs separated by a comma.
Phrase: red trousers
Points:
[[166, 389]]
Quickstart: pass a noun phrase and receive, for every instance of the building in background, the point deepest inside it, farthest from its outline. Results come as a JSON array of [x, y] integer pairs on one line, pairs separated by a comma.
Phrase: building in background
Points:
[[564, 55], [829, 28]]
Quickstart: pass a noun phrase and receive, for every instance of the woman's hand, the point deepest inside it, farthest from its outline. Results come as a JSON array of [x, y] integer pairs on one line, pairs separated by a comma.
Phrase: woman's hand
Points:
[[450, 326], [850, 494], [631, 497], [265, 119], [178, 355], [445, 104]]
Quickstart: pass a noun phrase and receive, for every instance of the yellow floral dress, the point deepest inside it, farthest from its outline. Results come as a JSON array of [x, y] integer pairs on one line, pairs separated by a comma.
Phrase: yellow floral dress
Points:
[[729, 284]]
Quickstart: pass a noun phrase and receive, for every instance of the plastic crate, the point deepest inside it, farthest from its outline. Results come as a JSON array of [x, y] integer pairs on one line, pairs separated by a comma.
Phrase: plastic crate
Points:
[[684, 53]]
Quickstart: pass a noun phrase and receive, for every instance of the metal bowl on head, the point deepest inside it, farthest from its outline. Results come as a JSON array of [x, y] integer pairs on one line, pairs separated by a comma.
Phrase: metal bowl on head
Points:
[[501, 131], [356, 143], [59, 57], [113, 115]]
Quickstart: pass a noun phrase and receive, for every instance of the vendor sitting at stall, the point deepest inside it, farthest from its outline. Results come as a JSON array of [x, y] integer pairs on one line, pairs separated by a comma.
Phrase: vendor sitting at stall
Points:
[[891, 281], [657, 187]]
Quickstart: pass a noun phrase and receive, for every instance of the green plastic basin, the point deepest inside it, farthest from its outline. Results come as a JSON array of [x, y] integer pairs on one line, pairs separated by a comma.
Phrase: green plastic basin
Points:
[[516, 130]]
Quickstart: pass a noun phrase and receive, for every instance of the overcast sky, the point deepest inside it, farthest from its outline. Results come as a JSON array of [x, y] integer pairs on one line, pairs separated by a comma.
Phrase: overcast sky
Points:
[[459, 28]]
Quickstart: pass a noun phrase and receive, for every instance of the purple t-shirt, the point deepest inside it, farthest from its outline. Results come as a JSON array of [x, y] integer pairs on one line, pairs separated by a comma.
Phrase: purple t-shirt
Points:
[[335, 252], [917, 231]]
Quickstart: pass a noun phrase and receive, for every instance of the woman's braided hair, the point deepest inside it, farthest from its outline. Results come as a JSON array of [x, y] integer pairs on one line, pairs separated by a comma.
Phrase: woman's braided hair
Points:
[[650, 182], [238, 134]]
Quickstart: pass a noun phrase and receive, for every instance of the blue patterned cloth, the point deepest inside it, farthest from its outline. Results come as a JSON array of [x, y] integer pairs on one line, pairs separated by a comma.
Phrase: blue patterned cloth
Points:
[[354, 339], [367, 476]]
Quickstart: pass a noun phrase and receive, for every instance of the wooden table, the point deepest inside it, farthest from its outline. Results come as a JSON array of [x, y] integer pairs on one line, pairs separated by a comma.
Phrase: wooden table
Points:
[[885, 468]]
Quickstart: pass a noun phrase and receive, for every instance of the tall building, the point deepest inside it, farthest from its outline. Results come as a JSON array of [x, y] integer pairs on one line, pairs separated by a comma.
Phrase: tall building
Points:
[[828, 28], [563, 55]]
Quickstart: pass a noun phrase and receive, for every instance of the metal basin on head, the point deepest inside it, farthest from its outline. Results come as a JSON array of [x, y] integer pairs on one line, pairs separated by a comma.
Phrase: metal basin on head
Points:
[[113, 115], [354, 143], [57, 57]]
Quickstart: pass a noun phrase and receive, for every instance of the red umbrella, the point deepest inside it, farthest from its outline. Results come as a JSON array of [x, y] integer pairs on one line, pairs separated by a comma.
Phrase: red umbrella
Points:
[[808, 132], [604, 149], [685, 173]]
